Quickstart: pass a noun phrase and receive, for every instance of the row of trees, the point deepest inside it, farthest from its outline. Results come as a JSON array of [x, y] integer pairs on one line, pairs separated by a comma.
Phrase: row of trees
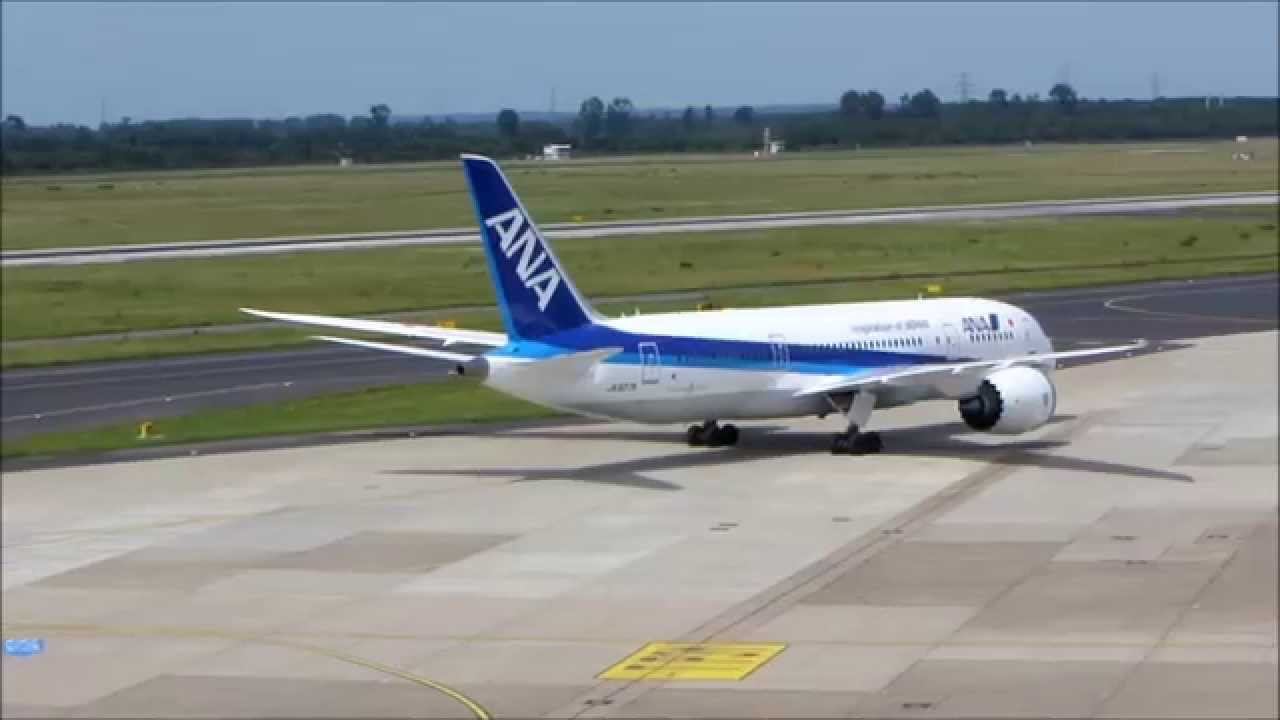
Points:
[[611, 127], [860, 118]]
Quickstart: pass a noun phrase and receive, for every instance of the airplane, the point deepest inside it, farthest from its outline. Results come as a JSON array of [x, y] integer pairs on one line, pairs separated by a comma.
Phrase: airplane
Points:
[[707, 366]]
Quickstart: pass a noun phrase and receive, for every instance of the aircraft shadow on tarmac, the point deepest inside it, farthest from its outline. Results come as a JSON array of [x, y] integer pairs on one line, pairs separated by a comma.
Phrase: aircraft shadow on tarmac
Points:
[[939, 440]]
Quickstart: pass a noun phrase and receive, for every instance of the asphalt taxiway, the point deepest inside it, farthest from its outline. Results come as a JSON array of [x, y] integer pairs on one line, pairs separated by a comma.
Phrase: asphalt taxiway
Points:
[[1119, 562], [58, 398]]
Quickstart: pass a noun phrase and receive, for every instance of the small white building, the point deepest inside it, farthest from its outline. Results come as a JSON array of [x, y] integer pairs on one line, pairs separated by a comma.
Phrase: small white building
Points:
[[771, 146], [557, 152]]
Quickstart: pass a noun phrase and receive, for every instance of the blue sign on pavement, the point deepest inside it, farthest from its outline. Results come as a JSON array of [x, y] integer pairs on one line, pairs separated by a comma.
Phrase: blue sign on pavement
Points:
[[23, 647]]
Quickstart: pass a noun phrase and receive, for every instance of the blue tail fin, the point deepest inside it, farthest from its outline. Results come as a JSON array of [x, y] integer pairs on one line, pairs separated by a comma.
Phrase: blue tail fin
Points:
[[535, 295]]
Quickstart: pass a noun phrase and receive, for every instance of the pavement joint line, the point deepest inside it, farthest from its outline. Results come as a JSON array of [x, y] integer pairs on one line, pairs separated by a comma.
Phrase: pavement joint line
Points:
[[44, 538], [476, 709], [1096, 418], [1164, 635], [783, 595]]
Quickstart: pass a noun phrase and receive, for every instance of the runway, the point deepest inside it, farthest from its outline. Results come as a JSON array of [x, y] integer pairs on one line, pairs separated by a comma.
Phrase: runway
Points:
[[629, 228], [56, 398], [1119, 562]]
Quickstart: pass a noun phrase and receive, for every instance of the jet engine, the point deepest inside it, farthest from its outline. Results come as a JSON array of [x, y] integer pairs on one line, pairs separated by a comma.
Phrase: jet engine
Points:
[[1011, 401]]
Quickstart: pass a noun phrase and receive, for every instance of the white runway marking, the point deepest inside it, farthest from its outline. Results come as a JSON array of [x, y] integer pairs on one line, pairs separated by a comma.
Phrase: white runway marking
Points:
[[455, 236], [144, 401], [1118, 304]]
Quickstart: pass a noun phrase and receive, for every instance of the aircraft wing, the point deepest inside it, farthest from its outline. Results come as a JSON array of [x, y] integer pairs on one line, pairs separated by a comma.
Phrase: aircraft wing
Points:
[[949, 373], [387, 327], [402, 349]]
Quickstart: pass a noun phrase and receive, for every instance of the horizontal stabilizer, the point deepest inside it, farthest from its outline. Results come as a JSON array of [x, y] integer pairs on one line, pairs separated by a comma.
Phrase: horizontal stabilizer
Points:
[[402, 349], [565, 368]]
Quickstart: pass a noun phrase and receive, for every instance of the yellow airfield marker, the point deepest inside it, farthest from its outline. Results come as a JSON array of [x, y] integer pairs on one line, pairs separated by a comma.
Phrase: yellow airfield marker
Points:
[[693, 661]]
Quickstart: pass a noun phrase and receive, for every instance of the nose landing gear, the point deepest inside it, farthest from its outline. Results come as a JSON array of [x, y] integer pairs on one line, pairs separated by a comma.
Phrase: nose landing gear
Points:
[[711, 434]]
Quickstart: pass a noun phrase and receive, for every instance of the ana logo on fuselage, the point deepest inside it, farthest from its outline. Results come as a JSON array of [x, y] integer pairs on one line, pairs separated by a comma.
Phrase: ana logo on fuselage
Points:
[[981, 323], [543, 282]]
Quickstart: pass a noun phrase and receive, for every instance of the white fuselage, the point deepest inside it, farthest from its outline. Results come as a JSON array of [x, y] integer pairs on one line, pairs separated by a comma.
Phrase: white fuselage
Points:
[[772, 353]]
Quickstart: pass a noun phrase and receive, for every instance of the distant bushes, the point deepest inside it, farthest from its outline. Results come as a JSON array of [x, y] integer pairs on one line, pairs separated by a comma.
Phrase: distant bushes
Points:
[[324, 139]]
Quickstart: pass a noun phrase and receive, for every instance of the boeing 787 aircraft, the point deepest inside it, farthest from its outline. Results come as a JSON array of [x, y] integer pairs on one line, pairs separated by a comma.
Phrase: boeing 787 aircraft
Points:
[[708, 366]]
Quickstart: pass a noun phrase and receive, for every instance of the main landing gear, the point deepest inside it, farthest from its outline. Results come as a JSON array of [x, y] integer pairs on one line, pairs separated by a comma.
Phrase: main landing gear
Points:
[[852, 441], [711, 434]]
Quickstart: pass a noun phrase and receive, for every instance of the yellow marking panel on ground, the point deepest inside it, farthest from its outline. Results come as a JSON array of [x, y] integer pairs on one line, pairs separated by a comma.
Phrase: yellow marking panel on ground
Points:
[[693, 661]]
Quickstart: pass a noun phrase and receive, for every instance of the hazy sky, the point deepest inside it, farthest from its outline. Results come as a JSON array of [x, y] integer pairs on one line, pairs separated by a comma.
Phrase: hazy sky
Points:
[[179, 59]]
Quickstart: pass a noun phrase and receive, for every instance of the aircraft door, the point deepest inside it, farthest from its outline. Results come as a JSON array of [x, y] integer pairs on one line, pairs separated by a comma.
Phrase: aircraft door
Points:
[[781, 353], [650, 363], [955, 346]]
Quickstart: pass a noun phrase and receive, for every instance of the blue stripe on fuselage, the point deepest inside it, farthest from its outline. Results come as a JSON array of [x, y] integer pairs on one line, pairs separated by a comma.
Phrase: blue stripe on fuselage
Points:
[[677, 351]]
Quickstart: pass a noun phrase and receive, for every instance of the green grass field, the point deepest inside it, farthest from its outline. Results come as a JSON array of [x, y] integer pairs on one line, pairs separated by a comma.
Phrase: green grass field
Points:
[[181, 206], [444, 402], [69, 301], [839, 291]]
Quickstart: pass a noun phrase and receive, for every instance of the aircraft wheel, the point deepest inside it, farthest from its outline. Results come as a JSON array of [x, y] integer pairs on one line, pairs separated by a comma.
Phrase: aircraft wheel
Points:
[[868, 443], [859, 444], [694, 436], [728, 435]]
